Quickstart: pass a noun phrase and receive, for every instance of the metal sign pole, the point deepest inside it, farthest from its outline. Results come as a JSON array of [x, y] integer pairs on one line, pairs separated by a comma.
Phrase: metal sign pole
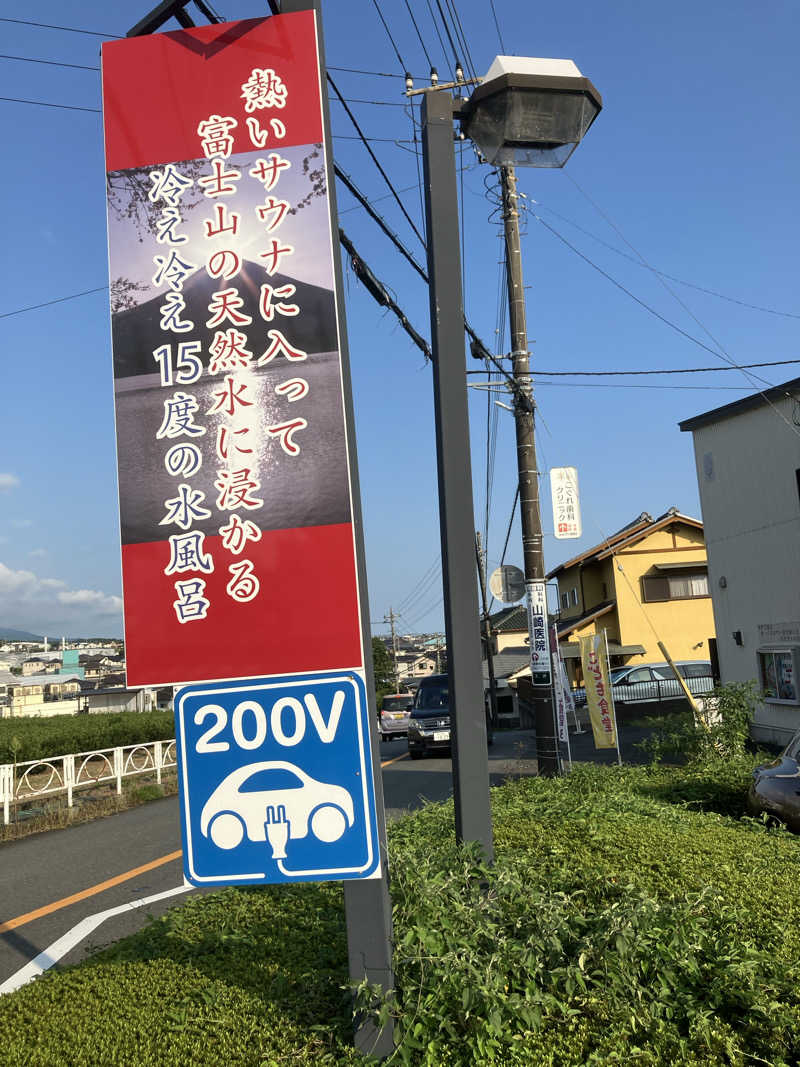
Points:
[[456, 513]]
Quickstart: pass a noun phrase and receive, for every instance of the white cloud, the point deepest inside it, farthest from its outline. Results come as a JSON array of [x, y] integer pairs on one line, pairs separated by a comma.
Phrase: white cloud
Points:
[[8, 481], [48, 605], [91, 598]]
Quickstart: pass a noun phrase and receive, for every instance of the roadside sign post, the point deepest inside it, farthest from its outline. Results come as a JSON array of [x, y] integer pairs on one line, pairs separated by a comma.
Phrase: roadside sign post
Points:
[[242, 549]]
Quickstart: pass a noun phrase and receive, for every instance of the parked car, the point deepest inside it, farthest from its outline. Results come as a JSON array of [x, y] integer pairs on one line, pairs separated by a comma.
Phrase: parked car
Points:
[[394, 715], [775, 788], [649, 683], [429, 725]]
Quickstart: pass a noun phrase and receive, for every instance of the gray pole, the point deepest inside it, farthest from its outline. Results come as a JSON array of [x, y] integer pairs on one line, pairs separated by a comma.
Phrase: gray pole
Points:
[[456, 514], [530, 511], [487, 627]]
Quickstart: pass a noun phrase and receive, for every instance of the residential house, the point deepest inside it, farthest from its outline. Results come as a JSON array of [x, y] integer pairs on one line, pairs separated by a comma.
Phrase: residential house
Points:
[[747, 456], [646, 582]]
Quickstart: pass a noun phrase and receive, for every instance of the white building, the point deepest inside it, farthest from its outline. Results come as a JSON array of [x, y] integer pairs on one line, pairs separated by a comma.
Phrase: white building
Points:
[[748, 468]]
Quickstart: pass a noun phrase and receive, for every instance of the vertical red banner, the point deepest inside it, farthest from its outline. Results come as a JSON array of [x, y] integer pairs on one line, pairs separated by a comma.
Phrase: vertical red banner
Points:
[[238, 555]]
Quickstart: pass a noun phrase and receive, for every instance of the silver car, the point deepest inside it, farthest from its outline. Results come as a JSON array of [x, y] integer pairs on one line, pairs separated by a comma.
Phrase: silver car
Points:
[[394, 715]]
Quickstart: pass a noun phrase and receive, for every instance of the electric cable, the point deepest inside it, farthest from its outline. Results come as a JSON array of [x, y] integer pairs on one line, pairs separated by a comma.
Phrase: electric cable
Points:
[[66, 29], [419, 35], [505, 543], [438, 34], [380, 293], [663, 274], [642, 303], [667, 370], [447, 33], [721, 353], [58, 300], [403, 66], [458, 29], [425, 577], [46, 103], [49, 62], [497, 27], [375, 159]]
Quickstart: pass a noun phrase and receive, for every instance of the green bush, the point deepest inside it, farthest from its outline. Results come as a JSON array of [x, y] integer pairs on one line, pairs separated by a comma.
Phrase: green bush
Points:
[[632, 915], [62, 734], [719, 735]]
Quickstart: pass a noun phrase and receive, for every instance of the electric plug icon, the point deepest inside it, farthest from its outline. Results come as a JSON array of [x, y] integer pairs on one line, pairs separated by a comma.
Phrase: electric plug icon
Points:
[[277, 830]]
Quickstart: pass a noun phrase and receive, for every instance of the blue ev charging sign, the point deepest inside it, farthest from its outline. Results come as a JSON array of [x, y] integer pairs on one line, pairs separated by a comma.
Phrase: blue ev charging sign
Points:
[[275, 780]]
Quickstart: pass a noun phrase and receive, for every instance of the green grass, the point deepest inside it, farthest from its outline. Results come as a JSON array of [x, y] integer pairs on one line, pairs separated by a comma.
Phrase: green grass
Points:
[[633, 915], [37, 738]]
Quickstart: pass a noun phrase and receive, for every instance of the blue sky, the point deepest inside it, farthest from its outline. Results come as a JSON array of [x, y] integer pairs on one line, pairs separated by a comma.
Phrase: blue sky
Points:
[[692, 162]]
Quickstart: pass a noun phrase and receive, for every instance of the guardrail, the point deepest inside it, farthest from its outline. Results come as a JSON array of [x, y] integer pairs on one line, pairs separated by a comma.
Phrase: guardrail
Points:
[[655, 692], [33, 779]]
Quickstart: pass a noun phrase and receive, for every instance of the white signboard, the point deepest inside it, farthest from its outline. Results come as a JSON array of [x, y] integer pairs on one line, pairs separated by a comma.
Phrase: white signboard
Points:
[[537, 628], [566, 504]]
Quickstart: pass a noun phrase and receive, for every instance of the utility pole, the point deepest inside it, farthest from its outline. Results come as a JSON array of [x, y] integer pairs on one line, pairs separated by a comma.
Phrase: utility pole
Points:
[[530, 511], [390, 619], [487, 628]]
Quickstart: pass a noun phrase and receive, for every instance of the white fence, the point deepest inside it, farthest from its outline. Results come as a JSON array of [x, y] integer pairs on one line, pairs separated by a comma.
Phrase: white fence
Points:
[[35, 779]]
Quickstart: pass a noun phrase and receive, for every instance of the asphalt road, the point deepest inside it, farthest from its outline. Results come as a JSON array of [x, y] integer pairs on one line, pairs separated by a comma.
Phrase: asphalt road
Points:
[[50, 882]]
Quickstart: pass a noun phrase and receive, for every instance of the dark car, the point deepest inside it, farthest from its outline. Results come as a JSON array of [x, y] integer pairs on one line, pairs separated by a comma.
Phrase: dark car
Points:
[[429, 725], [776, 787], [393, 716]]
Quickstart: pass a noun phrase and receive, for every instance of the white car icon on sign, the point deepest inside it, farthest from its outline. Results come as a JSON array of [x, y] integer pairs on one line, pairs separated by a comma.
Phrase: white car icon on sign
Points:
[[239, 805]]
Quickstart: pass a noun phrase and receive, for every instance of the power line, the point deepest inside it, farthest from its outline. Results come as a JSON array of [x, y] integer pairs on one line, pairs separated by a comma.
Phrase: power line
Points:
[[380, 293], [375, 159], [49, 62], [670, 370], [419, 35], [58, 300], [447, 31], [376, 5], [66, 29], [373, 73], [642, 303], [46, 103], [497, 27], [663, 274], [721, 352]]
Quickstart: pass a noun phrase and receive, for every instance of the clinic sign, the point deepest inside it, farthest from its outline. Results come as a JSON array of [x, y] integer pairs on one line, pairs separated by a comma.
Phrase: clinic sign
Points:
[[238, 551], [276, 781], [566, 502]]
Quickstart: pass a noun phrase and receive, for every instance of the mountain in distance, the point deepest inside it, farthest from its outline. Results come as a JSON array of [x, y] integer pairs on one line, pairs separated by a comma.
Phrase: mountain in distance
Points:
[[7, 634]]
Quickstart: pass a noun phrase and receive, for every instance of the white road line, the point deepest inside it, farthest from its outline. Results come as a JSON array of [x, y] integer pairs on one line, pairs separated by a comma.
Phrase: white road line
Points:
[[53, 953]]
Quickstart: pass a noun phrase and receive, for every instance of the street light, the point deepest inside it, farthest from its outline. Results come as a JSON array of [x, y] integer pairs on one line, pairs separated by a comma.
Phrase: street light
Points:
[[530, 112], [533, 112]]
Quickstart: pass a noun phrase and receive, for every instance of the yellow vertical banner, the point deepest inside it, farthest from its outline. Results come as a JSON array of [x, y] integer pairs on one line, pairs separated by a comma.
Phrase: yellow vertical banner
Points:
[[599, 698]]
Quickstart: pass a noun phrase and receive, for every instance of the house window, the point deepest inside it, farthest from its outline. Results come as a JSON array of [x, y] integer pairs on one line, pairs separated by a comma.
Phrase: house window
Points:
[[674, 586], [565, 600], [575, 597], [776, 670]]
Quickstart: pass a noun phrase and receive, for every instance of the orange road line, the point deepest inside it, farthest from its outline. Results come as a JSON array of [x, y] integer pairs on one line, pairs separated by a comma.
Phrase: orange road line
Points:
[[386, 763], [28, 917]]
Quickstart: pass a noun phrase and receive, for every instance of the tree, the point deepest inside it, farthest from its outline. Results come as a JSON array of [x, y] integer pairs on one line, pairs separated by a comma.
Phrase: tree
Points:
[[382, 666]]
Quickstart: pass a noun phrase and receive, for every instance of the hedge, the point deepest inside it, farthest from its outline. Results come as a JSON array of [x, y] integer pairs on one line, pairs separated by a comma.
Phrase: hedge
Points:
[[632, 915], [60, 735]]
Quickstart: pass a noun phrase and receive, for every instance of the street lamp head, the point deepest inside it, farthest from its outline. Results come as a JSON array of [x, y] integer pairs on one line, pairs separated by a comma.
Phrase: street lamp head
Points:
[[530, 112]]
